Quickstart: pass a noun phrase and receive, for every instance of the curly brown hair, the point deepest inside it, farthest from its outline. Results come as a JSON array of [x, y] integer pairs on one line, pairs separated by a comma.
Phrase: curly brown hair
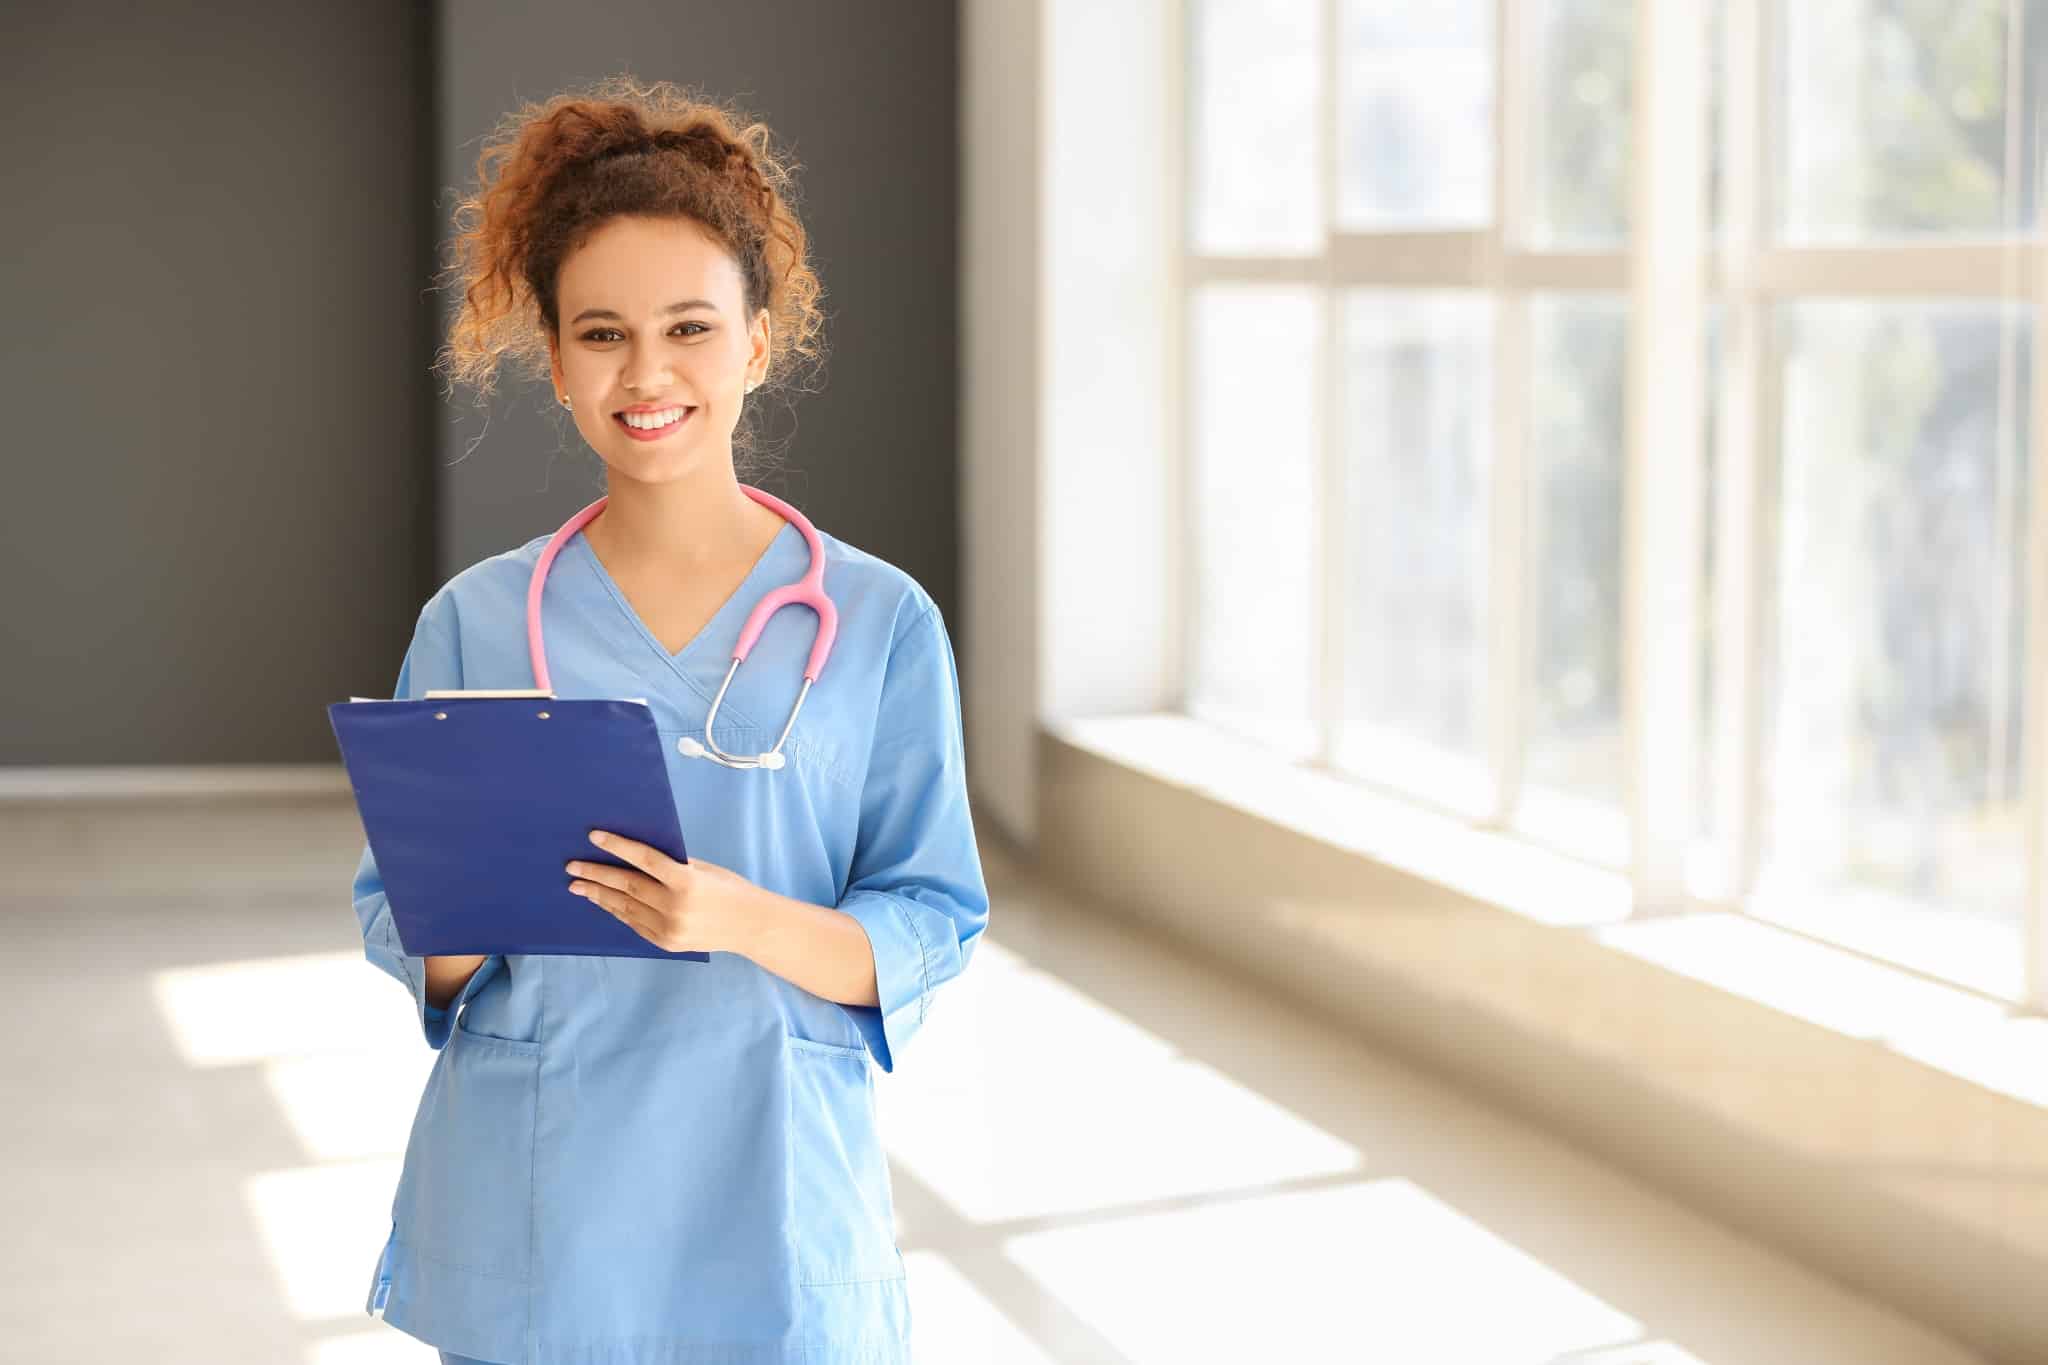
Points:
[[551, 173]]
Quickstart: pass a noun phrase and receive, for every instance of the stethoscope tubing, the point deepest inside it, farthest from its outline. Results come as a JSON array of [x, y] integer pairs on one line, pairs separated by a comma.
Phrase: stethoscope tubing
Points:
[[807, 591]]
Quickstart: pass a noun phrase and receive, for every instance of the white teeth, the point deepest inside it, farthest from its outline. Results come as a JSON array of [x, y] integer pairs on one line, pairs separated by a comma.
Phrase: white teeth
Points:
[[650, 421]]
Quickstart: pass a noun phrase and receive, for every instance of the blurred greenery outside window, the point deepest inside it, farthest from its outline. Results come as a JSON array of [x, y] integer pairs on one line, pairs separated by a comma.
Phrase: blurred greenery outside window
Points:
[[1345, 193]]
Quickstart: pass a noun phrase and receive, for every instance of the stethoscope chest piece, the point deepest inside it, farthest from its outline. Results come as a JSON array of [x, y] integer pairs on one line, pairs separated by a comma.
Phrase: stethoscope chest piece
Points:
[[689, 746]]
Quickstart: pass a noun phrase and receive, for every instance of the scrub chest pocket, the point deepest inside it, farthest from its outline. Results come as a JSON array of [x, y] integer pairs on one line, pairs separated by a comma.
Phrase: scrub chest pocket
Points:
[[840, 1184], [468, 1195]]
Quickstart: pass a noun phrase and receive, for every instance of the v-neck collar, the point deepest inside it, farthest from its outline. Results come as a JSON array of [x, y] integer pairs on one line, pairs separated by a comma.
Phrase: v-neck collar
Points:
[[724, 624]]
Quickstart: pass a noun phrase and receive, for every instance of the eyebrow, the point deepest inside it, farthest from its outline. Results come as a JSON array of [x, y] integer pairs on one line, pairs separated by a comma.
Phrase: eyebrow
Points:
[[685, 306]]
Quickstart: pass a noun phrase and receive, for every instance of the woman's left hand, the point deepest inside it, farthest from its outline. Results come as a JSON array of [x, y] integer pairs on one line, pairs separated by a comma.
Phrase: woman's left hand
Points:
[[678, 907]]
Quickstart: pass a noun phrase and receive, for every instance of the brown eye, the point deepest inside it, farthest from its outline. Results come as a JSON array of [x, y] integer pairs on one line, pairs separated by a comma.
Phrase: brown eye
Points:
[[596, 333]]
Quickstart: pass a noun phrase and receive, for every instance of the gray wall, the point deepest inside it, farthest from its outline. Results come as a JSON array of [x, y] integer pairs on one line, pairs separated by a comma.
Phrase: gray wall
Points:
[[234, 478], [215, 508]]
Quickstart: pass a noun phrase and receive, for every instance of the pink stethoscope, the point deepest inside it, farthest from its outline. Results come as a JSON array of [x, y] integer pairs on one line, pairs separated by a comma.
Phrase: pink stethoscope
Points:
[[808, 590]]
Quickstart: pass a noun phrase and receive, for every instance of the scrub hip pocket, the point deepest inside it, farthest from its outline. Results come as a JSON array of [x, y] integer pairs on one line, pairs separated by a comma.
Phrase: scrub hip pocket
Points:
[[845, 1217], [466, 1195]]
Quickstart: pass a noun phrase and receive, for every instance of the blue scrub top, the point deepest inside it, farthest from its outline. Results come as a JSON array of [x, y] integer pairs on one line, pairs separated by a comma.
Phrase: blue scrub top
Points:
[[639, 1161]]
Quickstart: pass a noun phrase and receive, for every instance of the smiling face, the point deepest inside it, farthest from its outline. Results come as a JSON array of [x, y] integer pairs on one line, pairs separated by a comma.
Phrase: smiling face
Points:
[[652, 314]]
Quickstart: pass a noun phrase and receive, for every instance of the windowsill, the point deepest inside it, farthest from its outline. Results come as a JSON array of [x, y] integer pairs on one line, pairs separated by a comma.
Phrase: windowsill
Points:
[[1959, 1031], [1503, 870], [1887, 1127]]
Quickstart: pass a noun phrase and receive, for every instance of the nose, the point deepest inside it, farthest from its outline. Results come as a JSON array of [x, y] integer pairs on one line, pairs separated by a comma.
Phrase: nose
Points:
[[647, 372]]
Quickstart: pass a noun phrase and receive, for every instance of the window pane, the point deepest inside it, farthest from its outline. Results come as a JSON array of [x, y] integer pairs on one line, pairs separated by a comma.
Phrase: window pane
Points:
[[1894, 747], [1417, 135], [1254, 432], [1418, 433], [1572, 762], [1255, 138], [1580, 61], [1895, 118]]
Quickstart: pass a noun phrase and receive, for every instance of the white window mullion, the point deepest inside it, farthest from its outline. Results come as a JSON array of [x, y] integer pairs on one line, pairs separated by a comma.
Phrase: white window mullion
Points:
[[2034, 705], [1664, 447], [1465, 260], [1331, 530], [2023, 283], [1907, 269], [1452, 258], [1507, 677], [1590, 271], [1183, 545], [1741, 439]]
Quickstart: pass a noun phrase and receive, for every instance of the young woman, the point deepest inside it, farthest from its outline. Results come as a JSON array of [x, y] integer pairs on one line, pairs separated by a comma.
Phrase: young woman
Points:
[[660, 1161]]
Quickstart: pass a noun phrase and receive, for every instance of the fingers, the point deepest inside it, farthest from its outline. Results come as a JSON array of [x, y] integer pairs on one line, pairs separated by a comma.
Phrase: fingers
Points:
[[646, 857], [645, 899], [620, 905], [636, 884]]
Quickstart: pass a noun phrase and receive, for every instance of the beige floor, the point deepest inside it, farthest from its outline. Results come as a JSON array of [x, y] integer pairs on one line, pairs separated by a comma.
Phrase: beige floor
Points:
[[1101, 1150]]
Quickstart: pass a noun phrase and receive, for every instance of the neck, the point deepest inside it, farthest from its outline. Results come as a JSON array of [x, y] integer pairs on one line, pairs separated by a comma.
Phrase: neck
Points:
[[680, 525]]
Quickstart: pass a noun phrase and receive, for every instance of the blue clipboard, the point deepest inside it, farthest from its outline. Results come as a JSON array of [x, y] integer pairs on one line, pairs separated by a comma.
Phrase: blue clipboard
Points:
[[472, 804]]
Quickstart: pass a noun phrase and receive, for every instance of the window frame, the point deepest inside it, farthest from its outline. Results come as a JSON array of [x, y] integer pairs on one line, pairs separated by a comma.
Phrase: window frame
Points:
[[1666, 289]]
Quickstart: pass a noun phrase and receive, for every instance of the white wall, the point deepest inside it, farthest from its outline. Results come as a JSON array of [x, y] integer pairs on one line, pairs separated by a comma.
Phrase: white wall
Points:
[[1000, 146], [1068, 261]]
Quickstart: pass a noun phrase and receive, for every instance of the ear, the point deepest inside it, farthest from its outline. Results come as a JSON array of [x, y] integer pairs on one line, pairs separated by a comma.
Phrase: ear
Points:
[[757, 362]]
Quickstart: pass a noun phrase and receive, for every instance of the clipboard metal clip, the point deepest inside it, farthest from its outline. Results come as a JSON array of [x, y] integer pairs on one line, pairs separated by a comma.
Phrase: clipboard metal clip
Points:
[[434, 693]]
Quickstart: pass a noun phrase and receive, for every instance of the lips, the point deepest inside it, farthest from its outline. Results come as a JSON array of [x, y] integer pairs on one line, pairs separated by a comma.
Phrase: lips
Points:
[[656, 433]]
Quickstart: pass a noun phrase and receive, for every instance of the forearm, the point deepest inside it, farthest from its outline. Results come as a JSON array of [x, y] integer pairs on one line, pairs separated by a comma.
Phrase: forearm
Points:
[[446, 976], [821, 949]]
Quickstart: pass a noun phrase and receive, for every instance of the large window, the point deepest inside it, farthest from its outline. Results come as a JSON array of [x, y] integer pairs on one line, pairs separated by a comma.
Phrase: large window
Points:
[[1409, 254]]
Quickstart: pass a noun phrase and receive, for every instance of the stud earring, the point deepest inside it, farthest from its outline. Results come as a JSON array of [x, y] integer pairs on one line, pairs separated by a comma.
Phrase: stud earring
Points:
[[565, 402]]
